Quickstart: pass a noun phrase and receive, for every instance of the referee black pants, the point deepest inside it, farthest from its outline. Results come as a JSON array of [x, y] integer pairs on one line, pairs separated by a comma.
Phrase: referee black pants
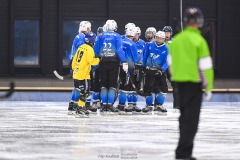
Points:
[[190, 95]]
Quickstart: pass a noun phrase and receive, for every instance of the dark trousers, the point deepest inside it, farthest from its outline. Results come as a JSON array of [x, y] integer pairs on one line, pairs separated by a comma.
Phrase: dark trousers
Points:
[[190, 95]]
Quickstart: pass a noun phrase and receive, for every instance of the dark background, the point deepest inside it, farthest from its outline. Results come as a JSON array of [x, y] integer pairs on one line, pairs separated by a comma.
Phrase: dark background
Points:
[[58, 24]]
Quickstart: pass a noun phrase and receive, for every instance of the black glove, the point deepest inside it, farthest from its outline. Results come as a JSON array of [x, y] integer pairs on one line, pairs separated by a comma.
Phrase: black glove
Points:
[[159, 72]]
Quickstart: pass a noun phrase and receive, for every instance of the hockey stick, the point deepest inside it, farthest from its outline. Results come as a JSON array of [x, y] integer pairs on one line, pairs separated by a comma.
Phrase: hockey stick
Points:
[[10, 91], [62, 77], [141, 93]]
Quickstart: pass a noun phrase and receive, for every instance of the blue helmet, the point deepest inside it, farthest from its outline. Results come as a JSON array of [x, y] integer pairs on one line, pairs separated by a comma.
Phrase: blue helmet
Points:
[[90, 37]]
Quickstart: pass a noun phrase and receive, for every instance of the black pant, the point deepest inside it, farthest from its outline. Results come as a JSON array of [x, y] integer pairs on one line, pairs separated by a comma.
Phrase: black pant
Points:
[[108, 74], [95, 84], [155, 83], [190, 95]]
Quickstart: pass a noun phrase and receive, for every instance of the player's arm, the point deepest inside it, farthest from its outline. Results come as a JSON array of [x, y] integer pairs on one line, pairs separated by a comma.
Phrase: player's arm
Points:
[[91, 58], [74, 62], [120, 52], [96, 47], [145, 55], [205, 65], [135, 55], [165, 62]]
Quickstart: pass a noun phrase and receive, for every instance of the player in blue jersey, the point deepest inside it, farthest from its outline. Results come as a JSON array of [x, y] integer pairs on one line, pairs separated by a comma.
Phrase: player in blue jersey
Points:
[[138, 66], [109, 48], [126, 88], [128, 25], [84, 28], [154, 65], [95, 84]]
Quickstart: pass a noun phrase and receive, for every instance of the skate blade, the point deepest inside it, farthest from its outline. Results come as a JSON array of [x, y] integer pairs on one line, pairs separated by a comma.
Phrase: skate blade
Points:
[[147, 113], [71, 112], [136, 113], [128, 113], [110, 113], [82, 116], [161, 113], [121, 113], [91, 112]]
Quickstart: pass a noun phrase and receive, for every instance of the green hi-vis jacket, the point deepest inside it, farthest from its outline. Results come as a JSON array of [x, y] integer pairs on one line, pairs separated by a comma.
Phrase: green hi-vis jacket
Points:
[[189, 58]]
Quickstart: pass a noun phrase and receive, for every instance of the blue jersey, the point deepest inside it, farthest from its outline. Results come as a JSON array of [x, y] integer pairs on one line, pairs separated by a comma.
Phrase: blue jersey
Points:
[[155, 56], [140, 48], [130, 49], [78, 41], [123, 36], [109, 47]]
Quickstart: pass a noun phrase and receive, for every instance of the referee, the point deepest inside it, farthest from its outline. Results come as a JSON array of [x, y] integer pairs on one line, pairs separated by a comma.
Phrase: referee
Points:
[[191, 69]]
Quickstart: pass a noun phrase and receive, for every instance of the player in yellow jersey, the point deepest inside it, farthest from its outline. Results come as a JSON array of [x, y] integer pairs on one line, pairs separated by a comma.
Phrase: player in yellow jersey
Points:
[[81, 66]]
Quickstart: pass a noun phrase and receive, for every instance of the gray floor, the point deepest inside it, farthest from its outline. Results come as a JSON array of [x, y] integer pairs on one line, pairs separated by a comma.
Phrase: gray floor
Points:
[[42, 131]]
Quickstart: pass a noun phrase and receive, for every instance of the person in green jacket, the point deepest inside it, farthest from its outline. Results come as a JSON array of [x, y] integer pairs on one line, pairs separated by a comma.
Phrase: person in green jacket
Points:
[[191, 70]]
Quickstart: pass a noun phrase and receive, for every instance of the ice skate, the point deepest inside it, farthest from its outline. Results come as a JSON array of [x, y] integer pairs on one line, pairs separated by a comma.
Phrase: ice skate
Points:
[[129, 109], [82, 112], [121, 108], [72, 108], [92, 109], [136, 109], [148, 110], [160, 110]]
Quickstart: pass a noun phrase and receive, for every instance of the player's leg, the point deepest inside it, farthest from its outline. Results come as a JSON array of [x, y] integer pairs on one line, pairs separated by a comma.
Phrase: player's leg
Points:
[[160, 91], [83, 87], [103, 76], [122, 98], [148, 88], [73, 103], [113, 71], [190, 104]]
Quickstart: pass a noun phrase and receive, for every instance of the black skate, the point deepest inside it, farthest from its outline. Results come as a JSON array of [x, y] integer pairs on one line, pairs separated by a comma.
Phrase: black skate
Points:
[[72, 107], [148, 110], [103, 109], [136, 109], [160, 110], [129, 109], [92, 109], [111, 109], [121, 108], [82, 112]]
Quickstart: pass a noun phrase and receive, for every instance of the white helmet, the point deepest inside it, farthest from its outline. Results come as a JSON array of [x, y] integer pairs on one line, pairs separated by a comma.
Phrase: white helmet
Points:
[[131, 31], [138, 31], [160, 34], [84, 26], [129, 25], [151, 29], [111, 25], [104, 28]]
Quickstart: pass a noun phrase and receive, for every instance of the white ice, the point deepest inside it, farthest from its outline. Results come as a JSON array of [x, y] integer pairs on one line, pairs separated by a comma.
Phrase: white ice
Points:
[[43, 130]]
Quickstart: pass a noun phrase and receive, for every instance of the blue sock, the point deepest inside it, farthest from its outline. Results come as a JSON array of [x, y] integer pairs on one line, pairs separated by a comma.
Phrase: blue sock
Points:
[[161, 98], [111, 95], [135, 97], [130, 97], [75, 95], [104, 95], [149, 100], [95, 96], [122, 97]]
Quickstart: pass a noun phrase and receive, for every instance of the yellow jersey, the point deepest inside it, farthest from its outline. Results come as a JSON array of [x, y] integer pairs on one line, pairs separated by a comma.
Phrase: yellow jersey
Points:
[[82, 61]]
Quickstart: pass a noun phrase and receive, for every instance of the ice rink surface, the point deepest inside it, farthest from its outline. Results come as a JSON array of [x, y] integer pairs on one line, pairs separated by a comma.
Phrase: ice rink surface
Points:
[[44, 131]]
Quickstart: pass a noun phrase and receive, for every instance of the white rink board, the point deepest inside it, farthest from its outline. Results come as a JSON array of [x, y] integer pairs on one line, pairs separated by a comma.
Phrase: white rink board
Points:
[[43, 130]]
